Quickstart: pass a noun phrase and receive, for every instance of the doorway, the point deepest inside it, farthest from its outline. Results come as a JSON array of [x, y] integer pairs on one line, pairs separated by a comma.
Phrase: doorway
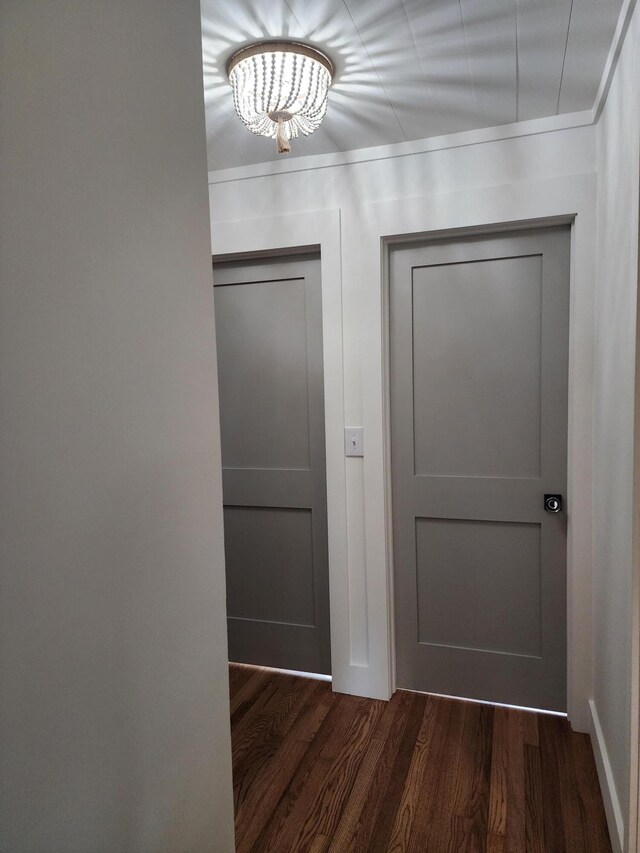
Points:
[[270, 368], [478, 379]]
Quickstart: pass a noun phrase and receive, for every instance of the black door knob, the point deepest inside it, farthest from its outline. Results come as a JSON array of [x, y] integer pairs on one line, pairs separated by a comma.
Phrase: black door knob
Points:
[[553, 503]]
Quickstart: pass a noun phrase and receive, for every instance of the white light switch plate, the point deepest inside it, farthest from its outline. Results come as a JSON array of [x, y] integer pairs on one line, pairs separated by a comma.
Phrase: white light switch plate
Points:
[[353, 441]]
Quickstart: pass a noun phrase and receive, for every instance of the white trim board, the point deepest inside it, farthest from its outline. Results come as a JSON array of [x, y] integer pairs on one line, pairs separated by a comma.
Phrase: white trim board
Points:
[[607, 784], [360, 558], [312, 162]]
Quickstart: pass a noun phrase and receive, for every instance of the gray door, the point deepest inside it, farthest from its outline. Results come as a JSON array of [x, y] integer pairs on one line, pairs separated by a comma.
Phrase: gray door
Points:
[[479, 354], [269, 338]]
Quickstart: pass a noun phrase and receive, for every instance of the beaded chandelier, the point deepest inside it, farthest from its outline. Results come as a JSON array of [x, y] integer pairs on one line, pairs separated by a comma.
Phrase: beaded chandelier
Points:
[[280, 89]]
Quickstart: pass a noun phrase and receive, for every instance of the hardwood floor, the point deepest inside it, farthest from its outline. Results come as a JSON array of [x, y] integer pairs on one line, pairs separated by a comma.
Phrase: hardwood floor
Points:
[[319, 771]]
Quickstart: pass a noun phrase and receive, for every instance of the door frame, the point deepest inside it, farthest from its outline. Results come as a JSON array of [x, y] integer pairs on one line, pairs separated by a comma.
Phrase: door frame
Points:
[[352, 245], [519, 205], [291, 235]]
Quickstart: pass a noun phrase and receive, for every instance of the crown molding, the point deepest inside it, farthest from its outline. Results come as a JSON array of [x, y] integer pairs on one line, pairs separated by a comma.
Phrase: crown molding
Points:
[[479, 136]]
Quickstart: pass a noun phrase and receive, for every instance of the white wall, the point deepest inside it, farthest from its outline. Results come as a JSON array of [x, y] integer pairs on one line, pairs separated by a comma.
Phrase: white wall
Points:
[[540, 175], [114, 726], [618, 137]]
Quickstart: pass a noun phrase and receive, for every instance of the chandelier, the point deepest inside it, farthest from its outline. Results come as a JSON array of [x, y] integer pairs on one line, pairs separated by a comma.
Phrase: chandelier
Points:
[[280, 89]]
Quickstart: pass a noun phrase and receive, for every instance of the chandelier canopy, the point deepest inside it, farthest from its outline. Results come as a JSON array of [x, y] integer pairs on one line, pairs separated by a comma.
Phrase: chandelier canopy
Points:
[[280, 89]]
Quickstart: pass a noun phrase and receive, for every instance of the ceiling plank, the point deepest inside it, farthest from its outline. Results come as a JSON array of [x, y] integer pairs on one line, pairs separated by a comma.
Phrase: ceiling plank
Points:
[[358, 104], [439, 37], [384, 30], [542, 33], [428, 87], [490, 30]]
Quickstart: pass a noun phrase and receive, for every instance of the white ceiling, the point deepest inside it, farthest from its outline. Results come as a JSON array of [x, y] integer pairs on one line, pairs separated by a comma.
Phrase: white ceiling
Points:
[[411, 69]]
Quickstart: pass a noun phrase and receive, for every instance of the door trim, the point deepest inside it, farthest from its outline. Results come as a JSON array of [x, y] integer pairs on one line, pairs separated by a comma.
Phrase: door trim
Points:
[[516, 206], [577, 704], [300, 234]]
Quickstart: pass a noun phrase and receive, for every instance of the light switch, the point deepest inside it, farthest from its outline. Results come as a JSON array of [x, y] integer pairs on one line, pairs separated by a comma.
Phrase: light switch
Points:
[[353, 441]]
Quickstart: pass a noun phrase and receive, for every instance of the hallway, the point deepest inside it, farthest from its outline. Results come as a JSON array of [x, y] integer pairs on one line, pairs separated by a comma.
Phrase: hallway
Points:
[[319, 771]]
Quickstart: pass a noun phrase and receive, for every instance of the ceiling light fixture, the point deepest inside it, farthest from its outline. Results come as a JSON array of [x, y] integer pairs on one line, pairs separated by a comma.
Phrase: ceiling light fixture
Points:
[[280, 89]]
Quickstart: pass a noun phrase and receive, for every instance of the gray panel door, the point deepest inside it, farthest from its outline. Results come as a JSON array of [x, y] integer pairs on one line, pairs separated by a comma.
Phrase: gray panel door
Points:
[[269, 338], [479, 356]]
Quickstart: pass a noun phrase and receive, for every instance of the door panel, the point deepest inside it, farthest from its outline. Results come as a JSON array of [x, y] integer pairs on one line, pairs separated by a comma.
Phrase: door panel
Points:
[[281, 543], [265, 383], [269, 338], [494, 608], [479, 353], [462, 365]]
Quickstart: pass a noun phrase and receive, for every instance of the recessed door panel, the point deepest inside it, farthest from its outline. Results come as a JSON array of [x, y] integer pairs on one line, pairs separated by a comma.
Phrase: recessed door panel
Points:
[[476, 349], [269, 338], [478, 367], [479, 585], [263, 374], [274, 543]]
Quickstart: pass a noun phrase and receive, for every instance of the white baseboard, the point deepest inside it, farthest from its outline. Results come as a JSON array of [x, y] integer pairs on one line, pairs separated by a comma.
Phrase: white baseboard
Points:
[[607, 784]]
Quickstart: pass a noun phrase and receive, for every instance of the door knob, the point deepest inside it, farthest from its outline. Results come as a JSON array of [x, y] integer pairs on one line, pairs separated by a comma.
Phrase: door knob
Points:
[[553, 503]]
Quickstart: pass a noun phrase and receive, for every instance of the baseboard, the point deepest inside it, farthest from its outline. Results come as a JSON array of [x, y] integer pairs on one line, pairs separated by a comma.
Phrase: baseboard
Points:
[[607, 784]]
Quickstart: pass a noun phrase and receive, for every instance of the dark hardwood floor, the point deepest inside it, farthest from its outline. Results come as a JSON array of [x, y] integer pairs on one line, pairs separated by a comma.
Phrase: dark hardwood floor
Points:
[[320, 771]]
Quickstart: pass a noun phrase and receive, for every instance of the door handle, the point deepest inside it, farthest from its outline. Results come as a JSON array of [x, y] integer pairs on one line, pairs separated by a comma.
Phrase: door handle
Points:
[[553, 503]]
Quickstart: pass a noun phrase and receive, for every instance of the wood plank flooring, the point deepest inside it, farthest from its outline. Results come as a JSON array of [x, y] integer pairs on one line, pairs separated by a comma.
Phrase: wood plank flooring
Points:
[[316, 771]]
